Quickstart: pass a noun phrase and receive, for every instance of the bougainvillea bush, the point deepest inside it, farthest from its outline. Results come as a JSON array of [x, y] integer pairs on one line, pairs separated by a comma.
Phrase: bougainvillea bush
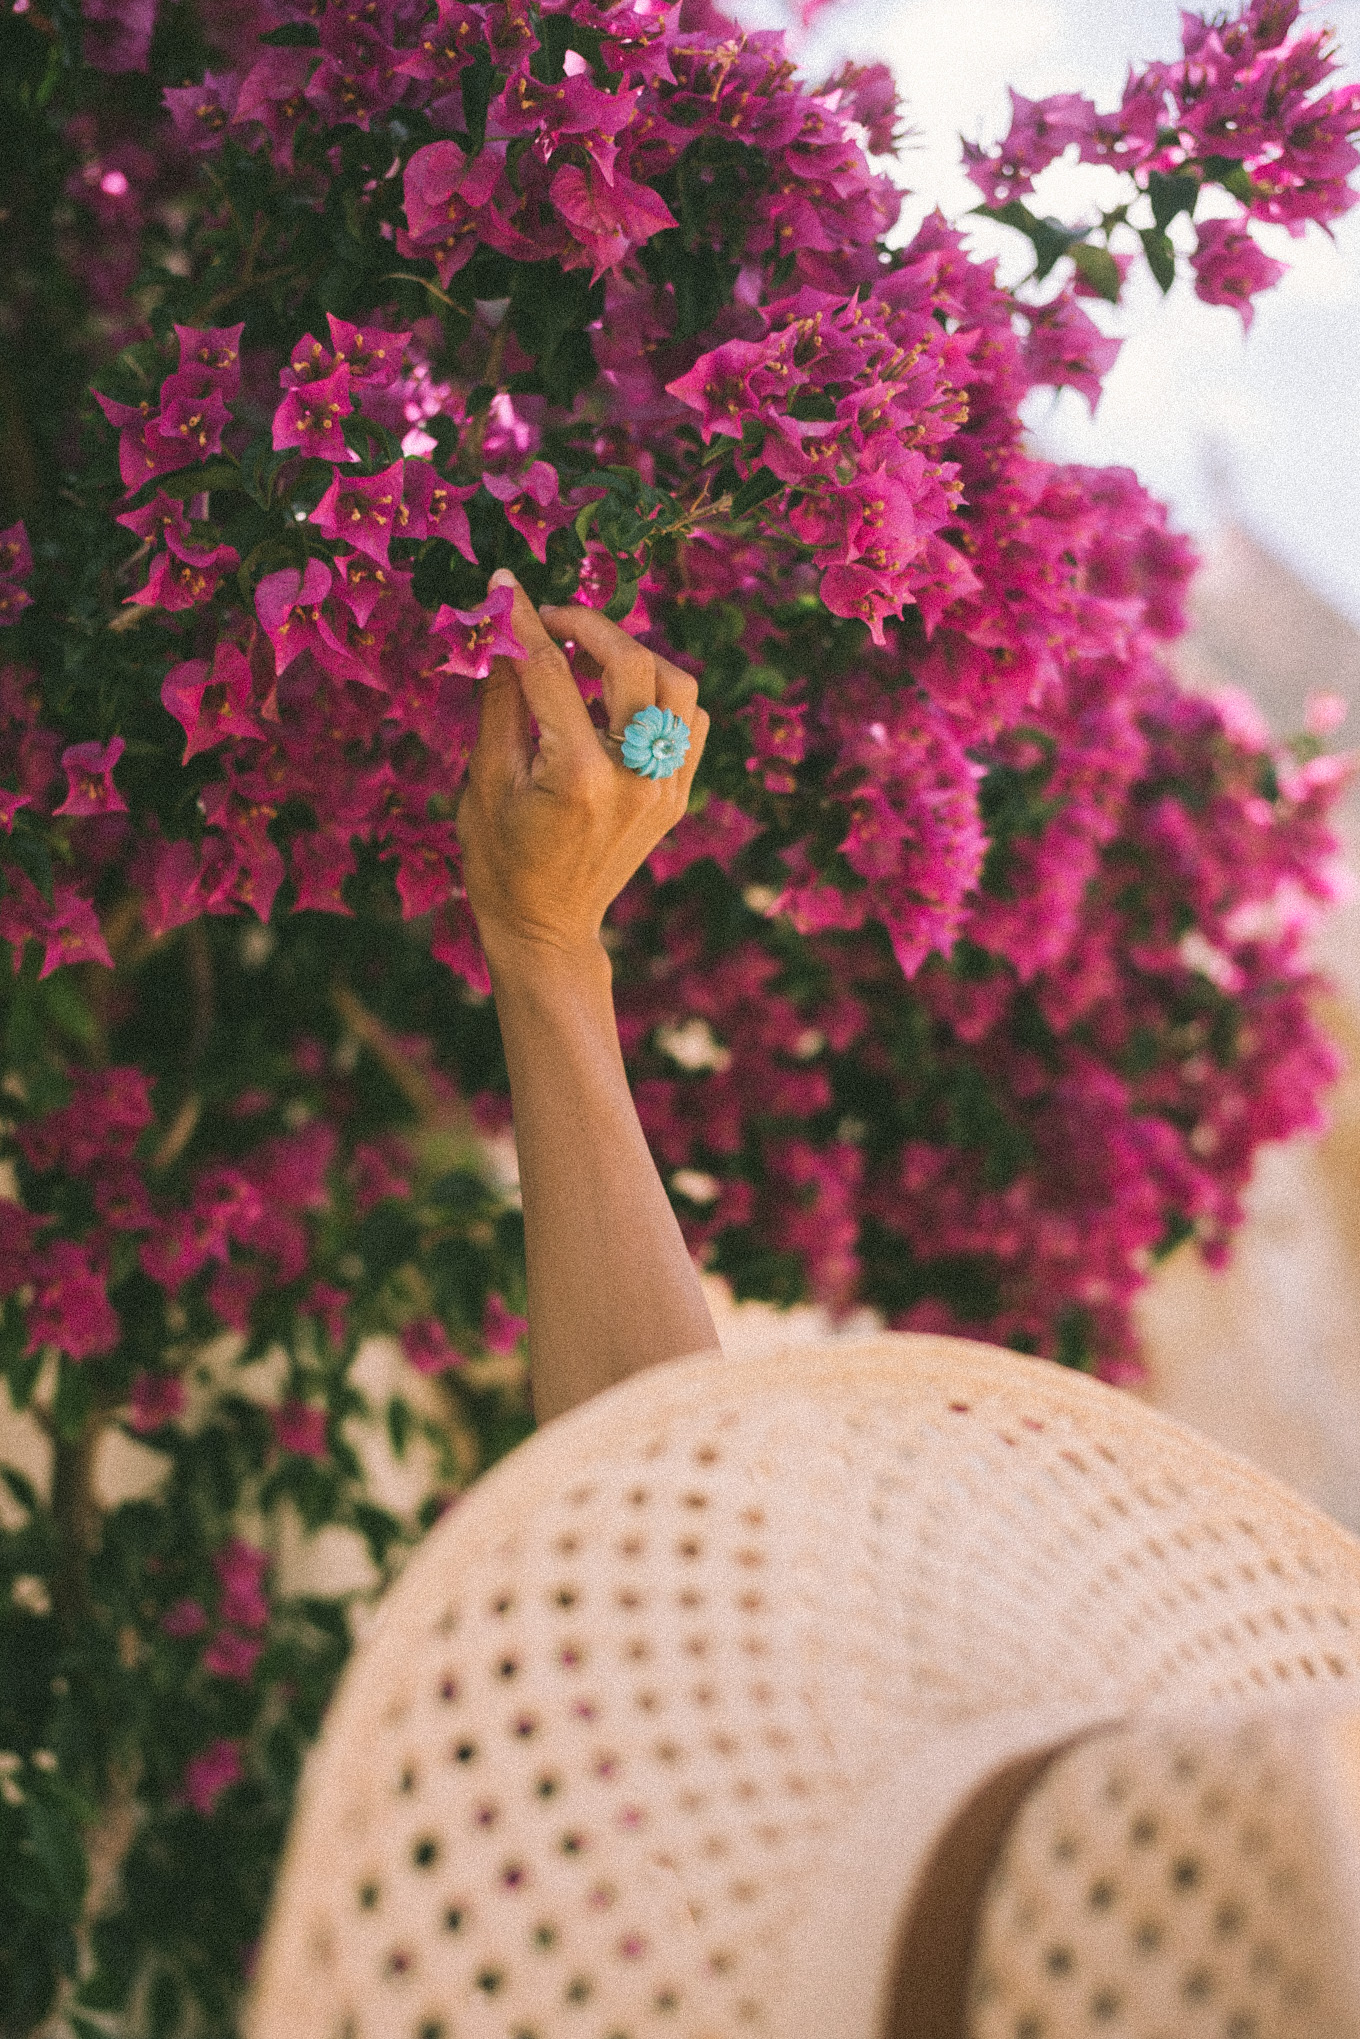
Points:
[[969, 986]]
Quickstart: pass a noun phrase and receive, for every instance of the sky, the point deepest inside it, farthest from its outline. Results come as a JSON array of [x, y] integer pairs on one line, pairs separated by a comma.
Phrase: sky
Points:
[[1262, 426]]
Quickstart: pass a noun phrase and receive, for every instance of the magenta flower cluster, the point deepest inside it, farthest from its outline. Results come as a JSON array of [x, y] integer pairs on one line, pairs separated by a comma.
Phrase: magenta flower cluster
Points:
[[1241, 107], [875, 402]]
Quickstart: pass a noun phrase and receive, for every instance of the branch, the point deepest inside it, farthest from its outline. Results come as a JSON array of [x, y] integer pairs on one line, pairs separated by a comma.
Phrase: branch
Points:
[[75, 1517], [470, 452]]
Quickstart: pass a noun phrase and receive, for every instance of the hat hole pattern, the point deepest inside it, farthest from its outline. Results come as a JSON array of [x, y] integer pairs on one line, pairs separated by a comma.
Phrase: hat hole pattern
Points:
[[668, 1568], [670, 1670], [1217, 1945]]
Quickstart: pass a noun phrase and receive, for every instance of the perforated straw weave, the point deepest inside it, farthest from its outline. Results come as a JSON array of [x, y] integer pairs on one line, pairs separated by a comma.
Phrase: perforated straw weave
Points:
[[654, 1734], [1180, 1882]]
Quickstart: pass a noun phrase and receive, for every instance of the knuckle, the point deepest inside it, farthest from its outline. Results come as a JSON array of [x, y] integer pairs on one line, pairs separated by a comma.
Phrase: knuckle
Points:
[[634, 664]]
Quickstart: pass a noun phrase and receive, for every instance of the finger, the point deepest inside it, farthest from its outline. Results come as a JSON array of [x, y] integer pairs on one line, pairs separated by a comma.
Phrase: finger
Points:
[[697, 720], [553, 697], [627, 668], [504, 748]]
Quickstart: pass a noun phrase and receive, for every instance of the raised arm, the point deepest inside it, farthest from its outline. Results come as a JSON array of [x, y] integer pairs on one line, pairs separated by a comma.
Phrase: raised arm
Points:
[[550, 834]]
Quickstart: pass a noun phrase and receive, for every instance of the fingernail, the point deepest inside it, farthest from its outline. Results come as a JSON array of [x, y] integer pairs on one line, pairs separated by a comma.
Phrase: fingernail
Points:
[[503, 578]]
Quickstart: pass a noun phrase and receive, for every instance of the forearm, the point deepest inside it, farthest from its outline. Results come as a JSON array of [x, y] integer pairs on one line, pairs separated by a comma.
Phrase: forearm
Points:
[[612, 1288]]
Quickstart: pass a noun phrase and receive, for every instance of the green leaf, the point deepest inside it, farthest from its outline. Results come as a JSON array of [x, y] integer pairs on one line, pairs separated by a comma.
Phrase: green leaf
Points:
[[585, 518], [379, 1528], [21, 1371], [23, 1490], [56, 1844], [620, 603], [31, 854], [1099, 268], [1161, 256], [760, 486], [399, 1424], [1232, 175], [1171, 196], [192, 481], [68, 1009], [294, 35], [1013, 214], [1052, 240]]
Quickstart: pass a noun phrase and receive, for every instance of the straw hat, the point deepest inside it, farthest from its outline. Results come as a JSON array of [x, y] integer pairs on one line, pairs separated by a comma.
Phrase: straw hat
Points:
[[762, 1696]]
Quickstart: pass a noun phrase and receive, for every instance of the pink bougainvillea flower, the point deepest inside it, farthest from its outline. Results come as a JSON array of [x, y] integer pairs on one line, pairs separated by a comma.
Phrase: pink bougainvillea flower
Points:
[[426, 1345], [70, 932], [241, 1568], [362, 513], [157, 519], [380, 1169], [19, 1232], [156, 1399], [568, 108], [202, 113], [213, 1771], [70, 1307], [1230, 268], [532, 504], [89, 776], [434, 507], [212, 705], [446, 45], [1066, 349], [272, 93], [107, 1112], [69, 929], [361, 583], [1041, 130], [184, 575], [300, 1429], [424, 879], [232, 1294], [1325, 714], [144, 452], [308, 362], [372, 355], [288, 605], [310, 417], [233, 1656], [456, 943], [213, 353], [501, 1328], [170, 880], [476, 636], [116, 34], [16, 557], [733, 382], [608, 217], [10, 803], [192, 419], [319, 863], [446, 194], [14, 599], [330, 1307], [184, 1620]]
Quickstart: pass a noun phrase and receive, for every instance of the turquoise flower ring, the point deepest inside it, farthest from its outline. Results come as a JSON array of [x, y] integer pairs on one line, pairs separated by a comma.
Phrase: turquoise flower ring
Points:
[[655, 743]]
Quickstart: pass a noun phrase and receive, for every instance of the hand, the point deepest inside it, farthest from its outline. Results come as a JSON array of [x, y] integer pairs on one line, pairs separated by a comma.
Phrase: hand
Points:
[[551, 835]]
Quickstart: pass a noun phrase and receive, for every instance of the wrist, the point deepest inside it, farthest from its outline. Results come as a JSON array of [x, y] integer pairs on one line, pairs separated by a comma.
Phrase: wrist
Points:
[[515, 956]]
